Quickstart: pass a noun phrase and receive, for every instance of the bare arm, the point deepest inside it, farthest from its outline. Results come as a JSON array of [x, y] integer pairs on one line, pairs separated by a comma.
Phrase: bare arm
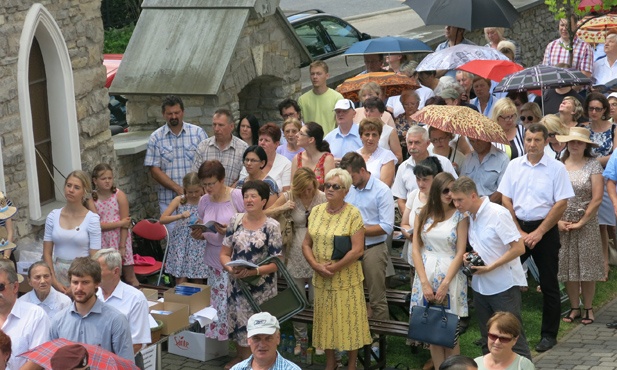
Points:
[[395, 146], [400, 202], [416, 255], [495, 197], [168, 216], [8, 224], [281, 205], [272, 200], [123, 209], [327, 165], [405, 224], [161, 177], [507, 203], [387, 173], [294, 164], [48, 249]]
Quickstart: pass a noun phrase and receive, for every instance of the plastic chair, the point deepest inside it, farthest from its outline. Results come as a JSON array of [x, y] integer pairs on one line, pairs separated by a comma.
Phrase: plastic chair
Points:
[[286, 303], [152, 230]]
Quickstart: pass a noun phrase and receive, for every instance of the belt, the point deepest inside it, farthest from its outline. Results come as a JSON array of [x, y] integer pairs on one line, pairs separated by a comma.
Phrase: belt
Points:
[[372, 245], [529, 223]]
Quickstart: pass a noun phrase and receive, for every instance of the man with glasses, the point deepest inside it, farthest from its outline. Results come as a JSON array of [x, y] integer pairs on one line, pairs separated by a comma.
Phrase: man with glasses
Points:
[[345, 137], [25, 323], [535, 189], [223, 146], [495, 238]]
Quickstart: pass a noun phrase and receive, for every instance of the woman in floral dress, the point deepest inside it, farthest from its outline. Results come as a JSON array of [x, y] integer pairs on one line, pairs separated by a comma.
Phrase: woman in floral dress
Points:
[[439, 241]]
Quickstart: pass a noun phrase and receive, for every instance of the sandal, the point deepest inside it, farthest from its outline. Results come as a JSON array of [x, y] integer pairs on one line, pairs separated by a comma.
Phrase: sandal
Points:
[[569, 318], [586, 320]]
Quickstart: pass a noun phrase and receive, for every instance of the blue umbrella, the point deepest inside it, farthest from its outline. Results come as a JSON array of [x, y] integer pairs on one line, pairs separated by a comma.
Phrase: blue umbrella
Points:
[[388, 45]]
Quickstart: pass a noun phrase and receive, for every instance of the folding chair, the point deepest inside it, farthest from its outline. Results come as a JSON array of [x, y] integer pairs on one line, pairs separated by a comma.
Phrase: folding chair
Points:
[[152, 230], [286, 303]]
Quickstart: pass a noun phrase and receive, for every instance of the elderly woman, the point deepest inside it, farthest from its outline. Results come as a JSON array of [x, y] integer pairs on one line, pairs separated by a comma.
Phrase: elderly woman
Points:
[[580, 254], [303, 197], [255, 160], [252, 237], [410, 101], [316, 154], [291, 126], [374, 108], [504, 113], [380, 162], [393, 105], [494, 35], [441, 145], [530, 113], [340, 318], [372, 90], [508, 49], [484, 100], [504, 330], [219, 204], [555, 126], [465, 79], [277, 166], [570, 110], [72, 231], [248, 129]]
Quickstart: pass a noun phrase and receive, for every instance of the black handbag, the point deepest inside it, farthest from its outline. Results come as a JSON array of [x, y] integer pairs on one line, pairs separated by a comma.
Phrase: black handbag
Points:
[[433, 325], [342, 245]]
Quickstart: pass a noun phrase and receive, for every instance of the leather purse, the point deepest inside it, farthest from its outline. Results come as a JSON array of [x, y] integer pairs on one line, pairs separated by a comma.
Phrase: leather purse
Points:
[[342, 245], [432, 324]]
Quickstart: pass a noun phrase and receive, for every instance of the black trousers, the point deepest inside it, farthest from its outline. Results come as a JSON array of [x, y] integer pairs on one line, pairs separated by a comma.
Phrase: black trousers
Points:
[[546, 256]]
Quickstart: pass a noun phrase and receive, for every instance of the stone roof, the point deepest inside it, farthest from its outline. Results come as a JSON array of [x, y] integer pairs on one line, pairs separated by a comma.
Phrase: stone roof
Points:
[[185, 47]]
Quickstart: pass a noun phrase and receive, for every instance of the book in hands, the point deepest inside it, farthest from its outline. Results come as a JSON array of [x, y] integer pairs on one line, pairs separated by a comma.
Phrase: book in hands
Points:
[[209, 226], [241, 263]]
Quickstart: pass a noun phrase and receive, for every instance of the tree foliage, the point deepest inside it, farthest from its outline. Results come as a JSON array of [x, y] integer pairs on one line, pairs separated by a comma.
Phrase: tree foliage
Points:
[[120, 13]]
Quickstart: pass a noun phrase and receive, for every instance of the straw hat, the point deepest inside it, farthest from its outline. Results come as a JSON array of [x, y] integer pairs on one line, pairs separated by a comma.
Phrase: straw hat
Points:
[[4, 243], [576, 133], [5, 210]]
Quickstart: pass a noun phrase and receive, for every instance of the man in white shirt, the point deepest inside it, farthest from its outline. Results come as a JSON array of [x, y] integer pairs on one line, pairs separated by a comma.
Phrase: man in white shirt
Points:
[[535, 189], [345, 137], [26, 324], [42, 293], [417, 145], [493, 235], [123, 297]]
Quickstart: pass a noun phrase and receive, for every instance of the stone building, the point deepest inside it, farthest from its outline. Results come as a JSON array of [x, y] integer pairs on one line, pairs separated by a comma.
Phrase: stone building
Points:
[[53, 115]]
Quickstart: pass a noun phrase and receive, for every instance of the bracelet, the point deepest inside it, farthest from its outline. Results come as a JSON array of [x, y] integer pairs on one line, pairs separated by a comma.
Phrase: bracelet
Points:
[[257, 271]]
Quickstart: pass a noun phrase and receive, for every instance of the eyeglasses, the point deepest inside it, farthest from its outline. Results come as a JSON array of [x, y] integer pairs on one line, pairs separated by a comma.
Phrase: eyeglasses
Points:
[[595, 109], [333, 186], [302, 133], [445, 191], [504, 340], [613, 105], [288, 115], [526, 118], [507, 118], [440, 140], [249, 160], [552, 134], [209, 184]]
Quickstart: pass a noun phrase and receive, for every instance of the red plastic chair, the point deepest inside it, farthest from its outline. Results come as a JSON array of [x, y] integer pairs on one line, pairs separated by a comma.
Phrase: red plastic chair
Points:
[[151, 229]]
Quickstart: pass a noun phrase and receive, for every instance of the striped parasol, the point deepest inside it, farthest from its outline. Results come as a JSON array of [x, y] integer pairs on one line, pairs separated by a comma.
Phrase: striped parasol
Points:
[[542, 77]]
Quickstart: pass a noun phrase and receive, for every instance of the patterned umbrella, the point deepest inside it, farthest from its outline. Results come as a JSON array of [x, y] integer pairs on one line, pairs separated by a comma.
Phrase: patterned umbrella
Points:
[[462, 121], [99, 358], [542, 77], [594, 30], [591, 4], [494, 70], [388, 45], [455, 56], [391, 84]]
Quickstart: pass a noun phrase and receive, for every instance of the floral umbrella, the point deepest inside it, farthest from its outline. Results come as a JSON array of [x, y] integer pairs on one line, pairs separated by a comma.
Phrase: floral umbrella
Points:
[[462, 121], [594, 30], [391, 84], [455, 56]]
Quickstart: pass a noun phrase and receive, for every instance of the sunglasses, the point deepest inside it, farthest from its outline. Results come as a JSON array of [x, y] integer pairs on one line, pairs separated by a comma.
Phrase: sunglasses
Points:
[[595, 109], [526, 118], [445, 191], [333, 186], [504, 340]]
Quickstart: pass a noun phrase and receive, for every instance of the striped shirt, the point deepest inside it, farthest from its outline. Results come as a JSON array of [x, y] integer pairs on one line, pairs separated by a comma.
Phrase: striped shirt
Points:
[[556, 53], [280, 364], [230, 157]]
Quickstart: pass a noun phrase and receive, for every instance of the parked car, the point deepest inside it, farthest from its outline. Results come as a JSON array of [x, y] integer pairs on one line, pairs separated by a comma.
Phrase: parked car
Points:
[[117, 103], [324, 35]]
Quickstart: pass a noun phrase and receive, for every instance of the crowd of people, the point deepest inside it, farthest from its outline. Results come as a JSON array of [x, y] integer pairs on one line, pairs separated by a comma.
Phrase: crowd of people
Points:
[[545, 201]]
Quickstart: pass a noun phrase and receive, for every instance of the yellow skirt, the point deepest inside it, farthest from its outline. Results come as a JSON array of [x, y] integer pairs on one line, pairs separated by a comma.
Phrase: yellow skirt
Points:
[[340, 320]]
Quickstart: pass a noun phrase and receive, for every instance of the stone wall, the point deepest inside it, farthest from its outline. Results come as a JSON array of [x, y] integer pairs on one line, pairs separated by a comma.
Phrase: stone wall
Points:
[[81, 25]]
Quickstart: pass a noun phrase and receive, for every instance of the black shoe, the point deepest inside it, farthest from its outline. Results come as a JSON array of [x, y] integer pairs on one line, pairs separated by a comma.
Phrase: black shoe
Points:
[[612, 325], [545, 344], [463, 324]]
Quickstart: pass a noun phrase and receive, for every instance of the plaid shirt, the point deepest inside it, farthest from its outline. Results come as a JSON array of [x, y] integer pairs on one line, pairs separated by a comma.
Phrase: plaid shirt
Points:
[[173, 154], [556, 53], [280, 364], [230, 157]]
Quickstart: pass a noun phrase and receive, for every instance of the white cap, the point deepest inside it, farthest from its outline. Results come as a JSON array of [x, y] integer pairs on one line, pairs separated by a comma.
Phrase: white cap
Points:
[[612, 95], [344, 104], [262, 323]]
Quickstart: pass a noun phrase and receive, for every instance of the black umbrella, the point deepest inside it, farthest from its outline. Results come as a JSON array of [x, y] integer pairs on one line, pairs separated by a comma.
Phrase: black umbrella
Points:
[[542, 77], [467, 14]]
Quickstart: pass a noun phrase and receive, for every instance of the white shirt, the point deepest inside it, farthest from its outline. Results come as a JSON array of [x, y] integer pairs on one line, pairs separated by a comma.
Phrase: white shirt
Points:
[[133, 304], [603, 72], [405, 180], [280, 171], [384, 139], [53, 303], [28, 326], [413, 204], [394, 102], [378, 159], [534, 189], [490, 233]]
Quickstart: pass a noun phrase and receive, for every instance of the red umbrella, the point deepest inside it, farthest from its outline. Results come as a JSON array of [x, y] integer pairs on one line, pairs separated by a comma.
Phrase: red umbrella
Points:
[[590, 3], [494, 70], [99, 358]]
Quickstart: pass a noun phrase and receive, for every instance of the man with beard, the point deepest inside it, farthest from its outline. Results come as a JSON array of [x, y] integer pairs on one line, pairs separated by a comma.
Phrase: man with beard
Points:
[[171, 150], [88, 320]]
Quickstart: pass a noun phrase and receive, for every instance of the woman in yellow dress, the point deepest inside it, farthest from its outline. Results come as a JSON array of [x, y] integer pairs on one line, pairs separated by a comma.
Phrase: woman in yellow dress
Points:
[[340, 320]]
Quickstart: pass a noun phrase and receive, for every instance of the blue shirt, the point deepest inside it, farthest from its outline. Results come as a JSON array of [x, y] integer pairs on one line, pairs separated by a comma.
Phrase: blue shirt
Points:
[[103, 326], [487, 175], [610, 173], [376, 205], [280, 364], [342, 144]]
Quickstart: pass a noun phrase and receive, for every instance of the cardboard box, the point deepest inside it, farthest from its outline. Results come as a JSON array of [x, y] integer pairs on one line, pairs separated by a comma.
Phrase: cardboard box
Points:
[[197, 346], [177, 319], [151, 294], [151, 357], [196, 302]]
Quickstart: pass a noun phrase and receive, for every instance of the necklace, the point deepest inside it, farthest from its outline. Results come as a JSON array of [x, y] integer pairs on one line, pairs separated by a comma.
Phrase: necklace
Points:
[[335, 211]]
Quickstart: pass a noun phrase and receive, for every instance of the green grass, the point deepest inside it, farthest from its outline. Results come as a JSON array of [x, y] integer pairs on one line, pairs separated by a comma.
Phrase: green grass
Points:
[[116, 40], [399, 353]]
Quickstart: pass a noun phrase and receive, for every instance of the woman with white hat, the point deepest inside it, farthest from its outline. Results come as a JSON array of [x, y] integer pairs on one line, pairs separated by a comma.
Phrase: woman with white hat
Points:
[[6, 227]]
